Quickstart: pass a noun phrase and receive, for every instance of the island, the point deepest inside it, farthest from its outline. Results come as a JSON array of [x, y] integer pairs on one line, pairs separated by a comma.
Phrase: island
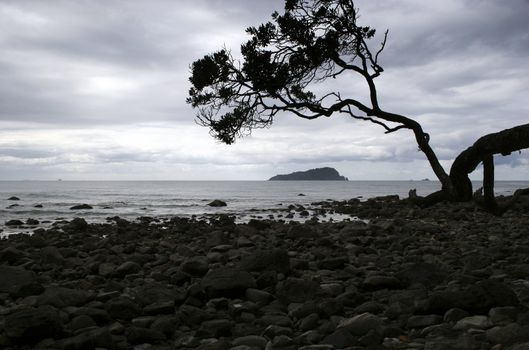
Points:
[[318, 174]]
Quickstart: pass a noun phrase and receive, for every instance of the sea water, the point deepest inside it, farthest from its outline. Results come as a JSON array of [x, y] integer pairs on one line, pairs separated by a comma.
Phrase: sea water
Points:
[[132, 199]]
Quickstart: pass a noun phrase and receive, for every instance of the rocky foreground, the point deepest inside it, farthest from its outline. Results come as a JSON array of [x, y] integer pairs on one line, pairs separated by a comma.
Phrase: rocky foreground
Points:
[[447, 277]]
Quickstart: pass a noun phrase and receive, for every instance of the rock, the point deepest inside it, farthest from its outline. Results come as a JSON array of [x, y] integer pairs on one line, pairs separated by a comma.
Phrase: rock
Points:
[[151, 293], [127, 268], [122, 308], [13, 198], [340, 339], [11, 255], [266, 260], [478, 322], [505, 335], [100, 316], [426, 274], [138, 335], [159, 308], [309, 322], [81, 322], [217, 203], [19, 282], [61, 297], [32, 222], [214, 329], [227, 282], [51, 255], [477, 298], [76, 225], [422, 321], [32, 324], [361, 324], [454, 315], [297, 290], [196, 266], [91, 339], [333, 263], [251, 340], [258, 296], [14, 223], [81, 207], [381, 282], [503, 315]]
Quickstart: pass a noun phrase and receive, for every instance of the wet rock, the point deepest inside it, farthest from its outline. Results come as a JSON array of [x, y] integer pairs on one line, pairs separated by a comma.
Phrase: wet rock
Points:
[[18, 282], [14, 222], [217, 203], [13, 198], [227, 282], [76, 225], [81, 207], [266, 260], [32, 222], [32, 324]]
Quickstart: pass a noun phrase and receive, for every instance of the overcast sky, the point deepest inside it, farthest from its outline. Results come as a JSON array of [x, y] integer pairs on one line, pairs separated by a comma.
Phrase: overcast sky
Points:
[[95, 90]]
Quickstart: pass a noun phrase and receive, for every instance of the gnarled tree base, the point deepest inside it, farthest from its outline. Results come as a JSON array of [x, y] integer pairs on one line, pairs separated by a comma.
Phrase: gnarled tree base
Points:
[[482, 151]]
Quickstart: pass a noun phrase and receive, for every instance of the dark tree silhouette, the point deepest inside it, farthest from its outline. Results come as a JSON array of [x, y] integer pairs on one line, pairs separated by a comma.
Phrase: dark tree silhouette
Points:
[[310, 42]]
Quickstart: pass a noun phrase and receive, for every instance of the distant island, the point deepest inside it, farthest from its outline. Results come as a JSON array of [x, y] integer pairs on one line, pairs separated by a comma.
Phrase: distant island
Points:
[[319, 174]]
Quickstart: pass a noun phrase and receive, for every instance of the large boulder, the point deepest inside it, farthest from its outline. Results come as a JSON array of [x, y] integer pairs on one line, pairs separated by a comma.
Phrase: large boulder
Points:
[[33, 324], [227, 281], [18, 282], [217, 203]]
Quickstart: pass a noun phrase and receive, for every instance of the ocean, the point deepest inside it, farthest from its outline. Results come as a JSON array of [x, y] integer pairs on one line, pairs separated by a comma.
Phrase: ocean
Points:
[[133, 199]]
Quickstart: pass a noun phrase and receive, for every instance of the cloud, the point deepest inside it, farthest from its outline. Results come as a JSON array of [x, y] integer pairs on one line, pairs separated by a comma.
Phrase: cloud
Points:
[[92, 88]]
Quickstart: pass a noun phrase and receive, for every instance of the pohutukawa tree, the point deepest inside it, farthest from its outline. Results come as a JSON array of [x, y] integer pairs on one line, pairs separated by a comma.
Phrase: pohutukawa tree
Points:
[[310, 42]]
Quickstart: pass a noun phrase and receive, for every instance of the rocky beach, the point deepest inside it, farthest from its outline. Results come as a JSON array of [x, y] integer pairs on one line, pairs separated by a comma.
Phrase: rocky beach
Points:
[[447, 277]]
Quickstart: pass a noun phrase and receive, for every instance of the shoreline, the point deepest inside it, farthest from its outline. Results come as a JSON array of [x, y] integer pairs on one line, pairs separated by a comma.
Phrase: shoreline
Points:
[[446, 277]]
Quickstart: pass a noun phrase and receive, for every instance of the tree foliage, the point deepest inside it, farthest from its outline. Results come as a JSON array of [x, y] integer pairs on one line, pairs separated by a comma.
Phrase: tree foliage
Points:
[[309, 43]]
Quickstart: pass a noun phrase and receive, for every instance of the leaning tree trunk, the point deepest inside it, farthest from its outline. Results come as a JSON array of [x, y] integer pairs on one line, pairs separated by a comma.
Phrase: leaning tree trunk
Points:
[[482, 151]]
